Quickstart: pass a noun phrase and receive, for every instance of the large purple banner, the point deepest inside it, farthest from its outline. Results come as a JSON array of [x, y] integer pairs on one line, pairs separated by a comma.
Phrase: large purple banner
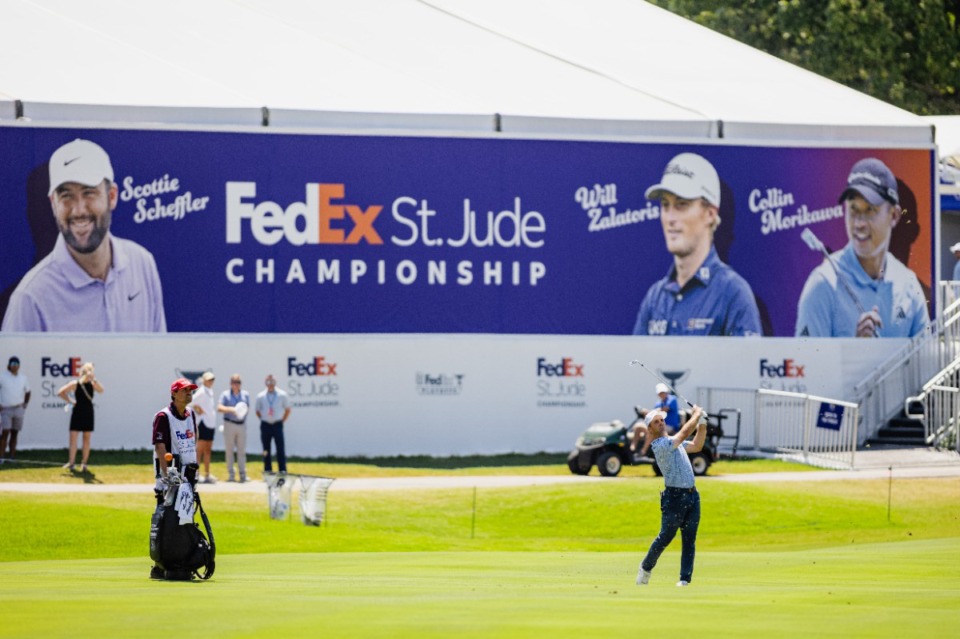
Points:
[[188, 231]]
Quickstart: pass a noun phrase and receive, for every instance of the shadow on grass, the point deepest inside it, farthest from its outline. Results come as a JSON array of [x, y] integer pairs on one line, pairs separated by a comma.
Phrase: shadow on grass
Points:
[[123, 457]]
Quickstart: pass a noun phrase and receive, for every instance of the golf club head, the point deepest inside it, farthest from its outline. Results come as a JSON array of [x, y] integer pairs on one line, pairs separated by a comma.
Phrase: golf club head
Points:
[[812, 241]]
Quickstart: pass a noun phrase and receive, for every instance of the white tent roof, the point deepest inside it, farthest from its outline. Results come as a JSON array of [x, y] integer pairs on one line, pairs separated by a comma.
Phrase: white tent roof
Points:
[[619, 67]]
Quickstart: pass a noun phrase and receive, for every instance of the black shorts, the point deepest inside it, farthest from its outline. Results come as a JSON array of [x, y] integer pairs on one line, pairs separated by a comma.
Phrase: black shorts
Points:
[[205, 434]]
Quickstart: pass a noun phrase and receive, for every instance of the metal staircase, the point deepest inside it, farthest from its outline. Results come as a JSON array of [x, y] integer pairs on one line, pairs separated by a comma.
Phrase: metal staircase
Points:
[[904, 395]]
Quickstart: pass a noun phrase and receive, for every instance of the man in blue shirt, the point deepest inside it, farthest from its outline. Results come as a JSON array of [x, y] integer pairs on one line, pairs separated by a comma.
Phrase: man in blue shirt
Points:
[[679, 501], [92, 281], [668, 404], [234, 404], [699, 295], [273, 409], [864, 275]]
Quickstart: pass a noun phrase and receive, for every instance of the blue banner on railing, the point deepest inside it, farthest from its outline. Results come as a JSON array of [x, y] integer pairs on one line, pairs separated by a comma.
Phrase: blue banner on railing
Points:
[[295, 233], [830, 416]]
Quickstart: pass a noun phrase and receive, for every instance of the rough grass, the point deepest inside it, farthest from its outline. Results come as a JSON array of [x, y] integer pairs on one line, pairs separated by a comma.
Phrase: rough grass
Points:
[[599, 516]]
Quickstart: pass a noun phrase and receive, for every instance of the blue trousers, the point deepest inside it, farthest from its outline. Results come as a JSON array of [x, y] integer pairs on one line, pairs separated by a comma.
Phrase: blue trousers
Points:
[[273, 432], [679, 510]]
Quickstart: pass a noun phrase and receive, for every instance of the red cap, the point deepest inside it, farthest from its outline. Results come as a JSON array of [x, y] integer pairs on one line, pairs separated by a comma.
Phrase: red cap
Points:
[[180, 384]]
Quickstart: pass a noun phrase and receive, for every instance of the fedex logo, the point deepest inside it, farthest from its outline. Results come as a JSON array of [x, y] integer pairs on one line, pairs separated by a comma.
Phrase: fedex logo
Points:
[[319, 366], [319, 219], [70, 368], [566, 368], [186, 435], [788, 368]]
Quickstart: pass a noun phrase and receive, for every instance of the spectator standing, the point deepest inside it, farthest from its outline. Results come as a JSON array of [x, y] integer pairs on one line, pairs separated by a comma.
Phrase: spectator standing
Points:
[[273, 409], [234, 404], [83, 388], [14, 397], [205, 407]]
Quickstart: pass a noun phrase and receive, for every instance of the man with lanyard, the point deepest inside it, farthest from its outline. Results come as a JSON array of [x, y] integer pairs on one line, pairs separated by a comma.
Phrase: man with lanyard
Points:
[[668, 404], [679, 501], [273, 408], [699, 295], [14, 397]]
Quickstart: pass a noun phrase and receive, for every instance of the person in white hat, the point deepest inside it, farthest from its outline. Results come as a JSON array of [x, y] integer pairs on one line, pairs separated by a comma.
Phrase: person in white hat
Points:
[[699, 295], [862, 290], [667, 402], [205, 406], [92, 281], [955, 249]]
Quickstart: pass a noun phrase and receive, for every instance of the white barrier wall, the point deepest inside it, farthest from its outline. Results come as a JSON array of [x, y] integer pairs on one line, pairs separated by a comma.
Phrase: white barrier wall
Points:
[[379, 395]]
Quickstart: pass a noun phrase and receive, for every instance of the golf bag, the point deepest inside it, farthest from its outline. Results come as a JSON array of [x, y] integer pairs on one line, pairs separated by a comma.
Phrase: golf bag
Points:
[[181, 551]]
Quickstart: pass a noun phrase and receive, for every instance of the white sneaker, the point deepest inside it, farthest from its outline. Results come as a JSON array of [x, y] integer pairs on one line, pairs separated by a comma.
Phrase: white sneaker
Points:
[[643, 577], [682, 583]]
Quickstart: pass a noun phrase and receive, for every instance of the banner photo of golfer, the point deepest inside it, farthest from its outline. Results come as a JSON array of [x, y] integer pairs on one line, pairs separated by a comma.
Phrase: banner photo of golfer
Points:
[[120, 230]]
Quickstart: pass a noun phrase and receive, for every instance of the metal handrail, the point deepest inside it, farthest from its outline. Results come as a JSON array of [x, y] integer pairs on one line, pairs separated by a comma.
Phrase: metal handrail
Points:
[[881, 394]]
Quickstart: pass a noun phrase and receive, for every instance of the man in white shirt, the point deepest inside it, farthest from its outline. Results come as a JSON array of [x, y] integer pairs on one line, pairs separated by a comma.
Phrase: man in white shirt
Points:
[[14, 397]]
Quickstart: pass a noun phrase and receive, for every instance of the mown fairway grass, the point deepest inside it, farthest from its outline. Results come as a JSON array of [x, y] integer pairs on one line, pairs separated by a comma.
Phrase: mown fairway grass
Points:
[[788, 559], [132, 467]]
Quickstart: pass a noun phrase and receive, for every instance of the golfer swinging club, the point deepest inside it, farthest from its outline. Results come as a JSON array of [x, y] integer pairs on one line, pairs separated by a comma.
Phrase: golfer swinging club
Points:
[[679, 501]]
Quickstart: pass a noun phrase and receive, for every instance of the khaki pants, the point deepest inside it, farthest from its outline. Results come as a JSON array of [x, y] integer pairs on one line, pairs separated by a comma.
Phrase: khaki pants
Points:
[[235, 437]]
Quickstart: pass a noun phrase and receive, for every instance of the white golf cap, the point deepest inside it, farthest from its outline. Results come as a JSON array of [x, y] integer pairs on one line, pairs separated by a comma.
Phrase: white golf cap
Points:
[[80, 161], [652, 415], [689, 176], [662, 388], [955, 248]]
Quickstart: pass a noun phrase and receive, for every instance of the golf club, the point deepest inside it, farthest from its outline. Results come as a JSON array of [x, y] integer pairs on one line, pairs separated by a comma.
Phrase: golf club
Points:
[[637, 362], [814, 243]]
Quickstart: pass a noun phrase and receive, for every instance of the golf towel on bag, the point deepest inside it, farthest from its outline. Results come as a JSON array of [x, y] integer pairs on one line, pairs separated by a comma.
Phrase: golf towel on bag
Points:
[[184, 504]]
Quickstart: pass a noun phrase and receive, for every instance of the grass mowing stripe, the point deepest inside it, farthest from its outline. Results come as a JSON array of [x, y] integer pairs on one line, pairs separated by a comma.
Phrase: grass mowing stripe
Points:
[[900, 589], [134, 467], [604, 516]]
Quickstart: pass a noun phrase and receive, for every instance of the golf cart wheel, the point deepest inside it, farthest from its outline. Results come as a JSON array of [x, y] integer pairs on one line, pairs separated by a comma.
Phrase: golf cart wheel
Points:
[[573, 463], [700, 463], [609, 464]]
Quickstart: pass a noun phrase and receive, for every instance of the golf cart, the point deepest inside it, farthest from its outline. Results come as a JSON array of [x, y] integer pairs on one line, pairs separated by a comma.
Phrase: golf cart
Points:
[[607, 445]]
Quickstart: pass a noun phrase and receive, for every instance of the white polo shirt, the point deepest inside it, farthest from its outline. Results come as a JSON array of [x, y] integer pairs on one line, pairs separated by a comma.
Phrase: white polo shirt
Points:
[[13, 388]]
